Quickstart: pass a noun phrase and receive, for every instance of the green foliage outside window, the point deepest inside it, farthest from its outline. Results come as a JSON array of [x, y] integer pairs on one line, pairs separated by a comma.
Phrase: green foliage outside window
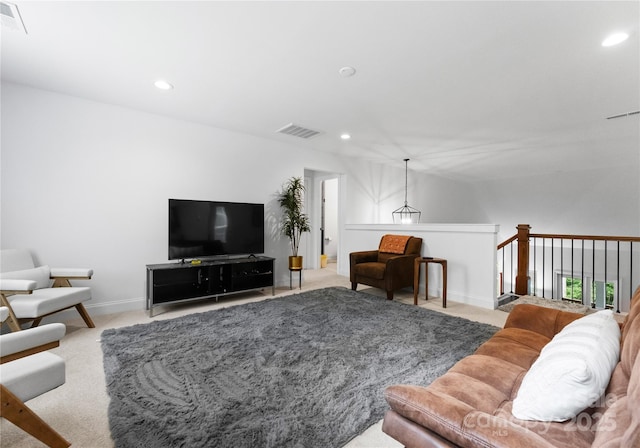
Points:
[[573, 292]]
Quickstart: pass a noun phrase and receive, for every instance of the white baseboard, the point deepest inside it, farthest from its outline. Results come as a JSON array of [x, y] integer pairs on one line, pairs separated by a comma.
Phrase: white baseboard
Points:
[[115, 306], [480, 302]]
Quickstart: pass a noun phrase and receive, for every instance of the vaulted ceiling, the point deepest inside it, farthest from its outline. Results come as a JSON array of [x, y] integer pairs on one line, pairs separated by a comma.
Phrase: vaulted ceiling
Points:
[[466, 90]]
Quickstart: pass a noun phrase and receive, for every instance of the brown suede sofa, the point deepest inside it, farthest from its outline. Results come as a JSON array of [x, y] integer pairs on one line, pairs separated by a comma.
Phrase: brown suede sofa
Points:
[[390, 267], [470, 405]]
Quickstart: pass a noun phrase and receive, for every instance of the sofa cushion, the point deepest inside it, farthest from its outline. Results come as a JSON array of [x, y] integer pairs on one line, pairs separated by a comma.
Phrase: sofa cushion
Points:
[[41, 275], [33, 375], [548, 322], [572, 372], [619, 425], [631, 335], [515, 345], [631, 435]]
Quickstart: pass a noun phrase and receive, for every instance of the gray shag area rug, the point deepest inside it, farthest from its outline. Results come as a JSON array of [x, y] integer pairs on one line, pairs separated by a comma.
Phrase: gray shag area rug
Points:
[[307, 370]]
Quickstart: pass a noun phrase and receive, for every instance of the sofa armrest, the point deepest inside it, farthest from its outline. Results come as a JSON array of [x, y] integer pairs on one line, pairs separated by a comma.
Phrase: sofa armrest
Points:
[[9, 286], [402, 262], [400, 271], [366, 256], [541, 320], [71, 273], [355, 258]]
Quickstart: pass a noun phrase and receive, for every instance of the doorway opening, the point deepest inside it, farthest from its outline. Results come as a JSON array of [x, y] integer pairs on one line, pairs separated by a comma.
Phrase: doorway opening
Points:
[[323, 204]]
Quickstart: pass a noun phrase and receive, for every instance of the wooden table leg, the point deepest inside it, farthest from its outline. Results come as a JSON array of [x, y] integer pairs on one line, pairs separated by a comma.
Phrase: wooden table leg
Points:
[[444, 284], [416, 280], [426, 281]]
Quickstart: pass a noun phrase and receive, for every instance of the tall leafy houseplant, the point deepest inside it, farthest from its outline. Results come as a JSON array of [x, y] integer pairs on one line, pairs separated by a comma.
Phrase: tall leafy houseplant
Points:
[[294, 221]]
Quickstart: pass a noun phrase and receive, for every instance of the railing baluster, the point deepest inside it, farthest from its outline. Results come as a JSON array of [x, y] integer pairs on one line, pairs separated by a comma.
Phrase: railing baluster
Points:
[[605, 274], [511, 268], [584, 296], [572, 298], [535, 267], [618, 281], [553, 280], [564, 284], [593, 268], [543, 272], [502, 277]]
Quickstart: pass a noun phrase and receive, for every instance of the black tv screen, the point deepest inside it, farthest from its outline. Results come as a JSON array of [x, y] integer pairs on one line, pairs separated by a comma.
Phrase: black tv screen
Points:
[[210, 229]]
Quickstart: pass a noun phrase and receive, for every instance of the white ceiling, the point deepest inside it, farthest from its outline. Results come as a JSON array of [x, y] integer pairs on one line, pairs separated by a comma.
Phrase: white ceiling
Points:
[[466, 90]]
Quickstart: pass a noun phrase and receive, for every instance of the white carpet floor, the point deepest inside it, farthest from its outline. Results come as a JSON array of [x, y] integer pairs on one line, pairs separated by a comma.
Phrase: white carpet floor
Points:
[[78, 409]]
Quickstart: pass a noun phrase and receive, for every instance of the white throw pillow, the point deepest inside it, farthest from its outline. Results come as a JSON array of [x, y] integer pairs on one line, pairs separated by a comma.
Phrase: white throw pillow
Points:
[[572, 371], [41, 275]]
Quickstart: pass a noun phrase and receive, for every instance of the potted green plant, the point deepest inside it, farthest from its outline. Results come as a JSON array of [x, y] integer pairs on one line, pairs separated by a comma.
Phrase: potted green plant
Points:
[[294, 221]]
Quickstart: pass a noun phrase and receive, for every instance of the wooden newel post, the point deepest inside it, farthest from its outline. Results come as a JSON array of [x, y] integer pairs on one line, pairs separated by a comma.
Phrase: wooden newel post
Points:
[[522, 277]]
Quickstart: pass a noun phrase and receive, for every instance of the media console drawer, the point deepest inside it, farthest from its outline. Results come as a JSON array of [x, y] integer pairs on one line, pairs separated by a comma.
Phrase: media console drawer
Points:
[[178, 282]]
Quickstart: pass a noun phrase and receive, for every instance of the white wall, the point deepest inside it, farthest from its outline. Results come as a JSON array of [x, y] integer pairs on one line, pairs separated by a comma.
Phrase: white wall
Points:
[[375, 191], [86, 184], [602, 201]]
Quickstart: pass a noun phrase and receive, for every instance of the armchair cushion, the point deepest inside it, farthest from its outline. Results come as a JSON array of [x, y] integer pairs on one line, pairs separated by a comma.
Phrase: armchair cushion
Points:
[[15, 260], [372, 270], [33, 375], [394, 244], [48, 300], [41, 275]]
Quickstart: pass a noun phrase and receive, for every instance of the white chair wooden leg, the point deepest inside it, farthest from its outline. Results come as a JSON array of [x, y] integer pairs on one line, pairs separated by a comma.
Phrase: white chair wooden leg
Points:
[[18, 413]]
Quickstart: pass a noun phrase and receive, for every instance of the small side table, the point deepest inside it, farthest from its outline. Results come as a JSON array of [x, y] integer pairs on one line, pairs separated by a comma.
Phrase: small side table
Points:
[[416, 278], [291, 270]]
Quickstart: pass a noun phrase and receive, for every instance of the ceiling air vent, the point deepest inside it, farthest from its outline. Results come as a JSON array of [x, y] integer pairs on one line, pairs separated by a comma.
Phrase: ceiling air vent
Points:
[[298, 131], [10, 17]]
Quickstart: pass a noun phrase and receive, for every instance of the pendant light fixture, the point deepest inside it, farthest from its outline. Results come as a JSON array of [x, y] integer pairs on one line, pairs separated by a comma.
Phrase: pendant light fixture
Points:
[[406, 214]]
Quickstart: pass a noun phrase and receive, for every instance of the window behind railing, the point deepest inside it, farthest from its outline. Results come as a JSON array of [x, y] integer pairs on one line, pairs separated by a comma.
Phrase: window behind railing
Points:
[[597, 271]]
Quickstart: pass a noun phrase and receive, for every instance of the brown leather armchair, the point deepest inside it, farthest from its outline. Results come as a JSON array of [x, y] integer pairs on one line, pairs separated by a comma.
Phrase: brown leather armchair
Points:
[[390, 267]]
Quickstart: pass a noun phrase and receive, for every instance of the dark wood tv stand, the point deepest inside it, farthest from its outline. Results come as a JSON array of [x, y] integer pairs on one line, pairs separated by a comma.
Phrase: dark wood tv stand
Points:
[[169, 283]]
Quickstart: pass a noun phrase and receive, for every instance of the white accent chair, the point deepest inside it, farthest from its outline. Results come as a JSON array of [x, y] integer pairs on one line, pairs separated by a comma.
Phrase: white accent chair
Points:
[[28, 293], [26, 371]]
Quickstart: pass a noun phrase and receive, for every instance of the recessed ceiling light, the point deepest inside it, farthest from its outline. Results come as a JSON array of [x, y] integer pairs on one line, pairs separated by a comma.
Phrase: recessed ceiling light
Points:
[[347, 71], [615, 39], [163, 85], [345, 136]]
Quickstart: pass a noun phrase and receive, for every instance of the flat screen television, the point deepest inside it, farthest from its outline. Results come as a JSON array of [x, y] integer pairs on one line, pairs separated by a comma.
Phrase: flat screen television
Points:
[[214, 229]]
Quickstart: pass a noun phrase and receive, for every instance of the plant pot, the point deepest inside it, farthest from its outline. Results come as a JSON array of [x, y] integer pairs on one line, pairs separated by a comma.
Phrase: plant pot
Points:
[[295, 263], [323, 261]]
